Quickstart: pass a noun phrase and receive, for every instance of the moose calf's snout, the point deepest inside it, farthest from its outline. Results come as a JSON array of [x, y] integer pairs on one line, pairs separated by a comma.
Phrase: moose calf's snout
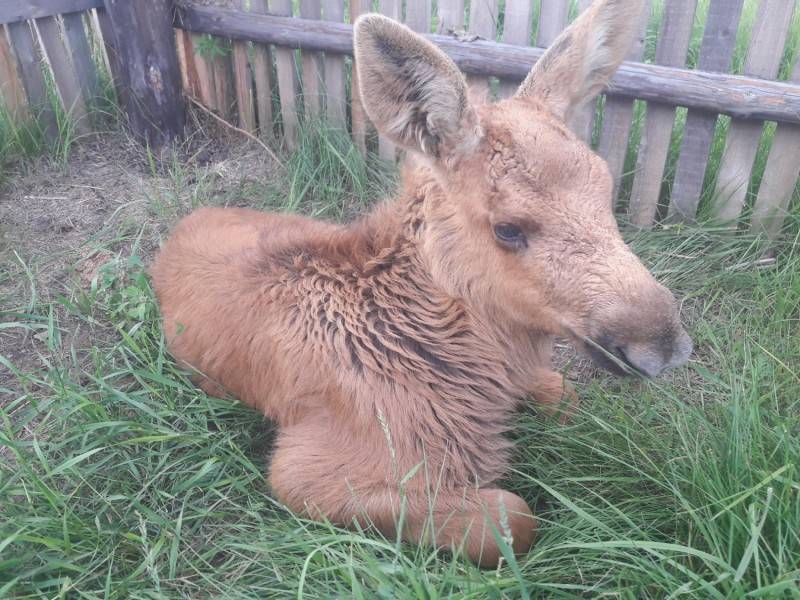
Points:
[[646, 336], [651, 358]]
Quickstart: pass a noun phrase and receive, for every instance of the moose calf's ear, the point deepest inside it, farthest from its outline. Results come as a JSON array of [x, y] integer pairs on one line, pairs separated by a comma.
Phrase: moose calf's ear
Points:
[[413, 93], [583, 58]]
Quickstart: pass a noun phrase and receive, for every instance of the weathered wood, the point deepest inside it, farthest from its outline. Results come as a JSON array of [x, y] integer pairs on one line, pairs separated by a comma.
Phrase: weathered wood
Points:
[[482, 22], [334, 68], [780, 177], [517, 30], [618, 115], [81, 54], [243, 84], [312, 71], [451, 16], [741, 146], [12, 92], [358, 116], [150, 80], [69, 90], [418, 15], [287, 77], [716, 53], [262, 74], [16, 11], [205, 74], [24, 47], [552, 20], [386, 149], [582, 121], [113, 61], [676, 32], [743, 97], [188, 71], [224, 90]]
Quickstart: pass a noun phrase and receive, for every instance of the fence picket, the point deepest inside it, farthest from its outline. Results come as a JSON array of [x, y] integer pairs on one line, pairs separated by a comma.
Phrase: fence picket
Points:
[[12, 92], [205, 73], [333, 66], [222, 66], [582, 121], [69, 90], [386, 149], [81, 54], [189, 76], [262, 76], [482, 22], [287, 78], [418, 15], [517, 30], [243, 83], [451, 15], [780, 176], [763, 60], [358, 120], [618, 115], [716, 53], [676, 31], [24, 46], [311, 9]]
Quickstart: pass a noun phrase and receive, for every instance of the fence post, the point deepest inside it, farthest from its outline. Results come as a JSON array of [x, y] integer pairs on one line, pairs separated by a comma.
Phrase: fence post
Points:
[[148, 79]]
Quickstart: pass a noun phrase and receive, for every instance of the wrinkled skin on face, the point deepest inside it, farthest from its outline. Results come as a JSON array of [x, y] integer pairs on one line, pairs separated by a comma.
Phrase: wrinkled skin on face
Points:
[[532, 204]]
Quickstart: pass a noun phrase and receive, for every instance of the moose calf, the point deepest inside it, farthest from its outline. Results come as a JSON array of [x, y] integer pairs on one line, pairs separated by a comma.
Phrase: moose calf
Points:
[[392, 352]]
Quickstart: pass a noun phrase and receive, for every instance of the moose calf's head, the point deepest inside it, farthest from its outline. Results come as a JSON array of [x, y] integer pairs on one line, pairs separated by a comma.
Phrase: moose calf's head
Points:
[[523, 224]]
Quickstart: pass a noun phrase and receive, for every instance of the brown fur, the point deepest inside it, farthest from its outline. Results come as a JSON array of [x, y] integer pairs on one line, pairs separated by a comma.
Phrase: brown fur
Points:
[[392, 352]]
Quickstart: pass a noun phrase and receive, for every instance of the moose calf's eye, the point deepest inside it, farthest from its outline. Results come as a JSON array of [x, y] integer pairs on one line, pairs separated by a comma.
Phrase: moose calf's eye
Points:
[[510, 235]]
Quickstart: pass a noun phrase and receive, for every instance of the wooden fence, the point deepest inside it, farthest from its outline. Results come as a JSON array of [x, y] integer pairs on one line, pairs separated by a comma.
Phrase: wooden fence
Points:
[[265, 69]]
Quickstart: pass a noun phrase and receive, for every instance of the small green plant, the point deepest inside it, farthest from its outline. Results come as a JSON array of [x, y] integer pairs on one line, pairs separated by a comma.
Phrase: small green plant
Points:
[[211, 48]]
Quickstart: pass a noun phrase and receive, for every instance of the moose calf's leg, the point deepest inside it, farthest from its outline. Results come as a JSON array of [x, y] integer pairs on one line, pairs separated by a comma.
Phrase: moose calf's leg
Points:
[[554, 395], [320, 473]]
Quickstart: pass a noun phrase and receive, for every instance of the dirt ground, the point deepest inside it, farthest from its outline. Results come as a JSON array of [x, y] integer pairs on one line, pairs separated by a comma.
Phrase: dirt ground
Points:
[[60, 224]]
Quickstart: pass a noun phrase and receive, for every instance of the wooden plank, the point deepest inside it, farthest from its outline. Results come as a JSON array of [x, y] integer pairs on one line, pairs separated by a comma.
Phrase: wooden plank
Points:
[[24, 46], [517, 29], [482, 22], [262, 74], [418, 15], [451, 15], [716, 52], [222, 66], [149, 79], [81, 54], [69, 90], [205, 74], [312, 71], [186, 60], [676, 31], [552, 20], [12, 92], [618, 115], [358, 118], [335, 76], [741, 145], [287, 79], [742, 97], [16, 11], [582, 121], [111, 54], [386, 149], [780, 177], [243, 84]]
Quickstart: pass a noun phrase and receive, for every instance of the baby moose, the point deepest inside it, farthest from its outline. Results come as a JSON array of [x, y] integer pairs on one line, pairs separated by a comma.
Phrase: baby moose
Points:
[[392, 352]]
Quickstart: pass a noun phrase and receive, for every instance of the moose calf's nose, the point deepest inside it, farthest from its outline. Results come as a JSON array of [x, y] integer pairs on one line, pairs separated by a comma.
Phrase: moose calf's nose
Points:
[[651, 359]]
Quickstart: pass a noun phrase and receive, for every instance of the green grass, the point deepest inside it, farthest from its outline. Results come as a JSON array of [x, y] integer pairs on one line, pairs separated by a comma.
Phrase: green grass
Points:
[[119, 479]]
